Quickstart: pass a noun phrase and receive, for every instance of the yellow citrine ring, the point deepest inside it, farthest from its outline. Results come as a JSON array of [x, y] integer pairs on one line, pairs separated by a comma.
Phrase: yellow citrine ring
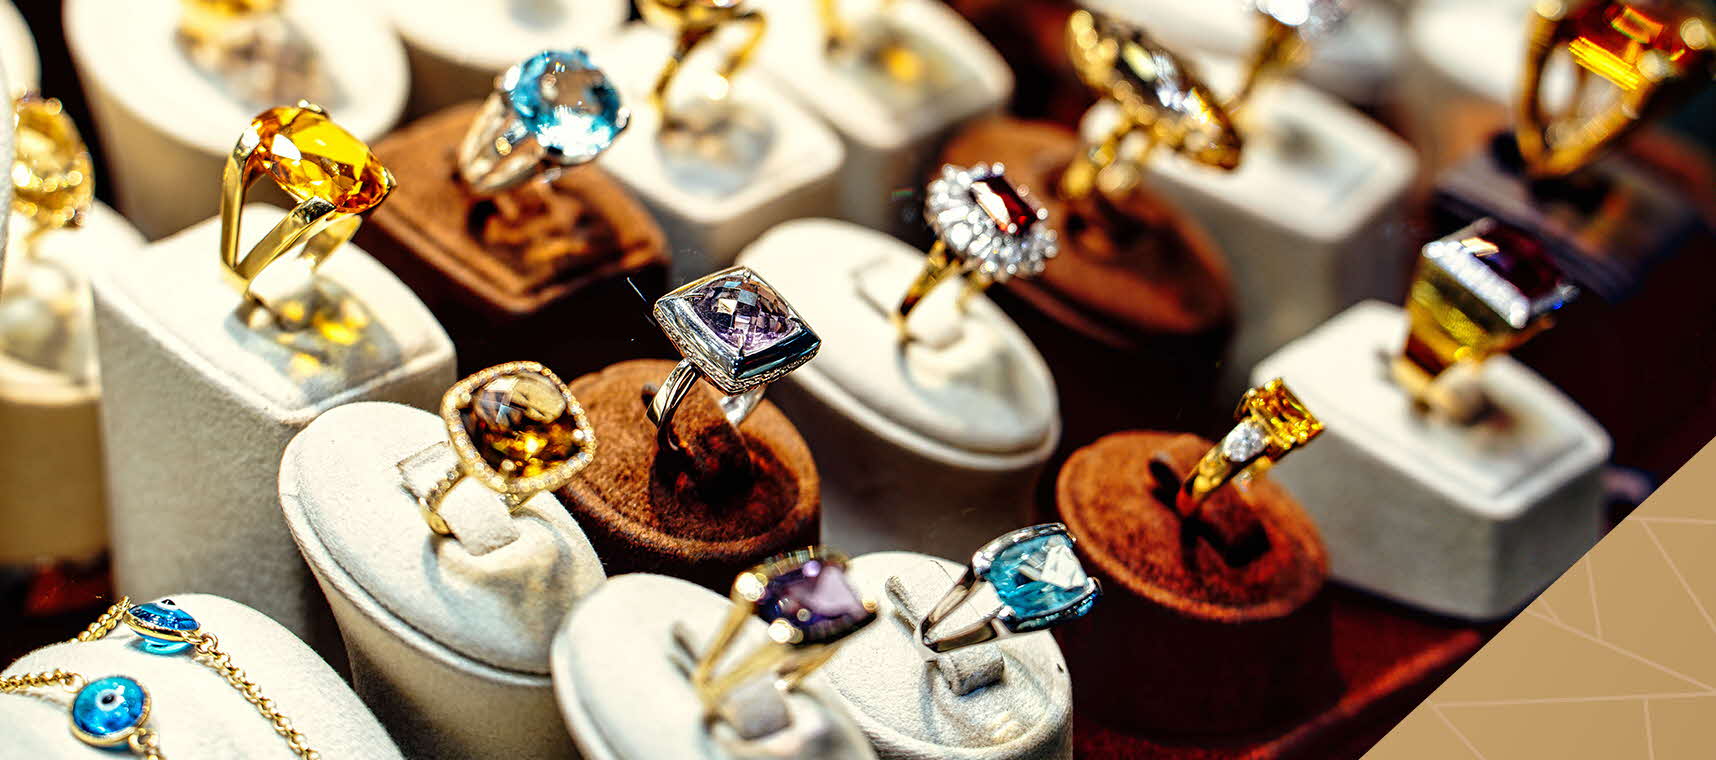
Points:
[[696, 22], [53, 183], [1272, 422]]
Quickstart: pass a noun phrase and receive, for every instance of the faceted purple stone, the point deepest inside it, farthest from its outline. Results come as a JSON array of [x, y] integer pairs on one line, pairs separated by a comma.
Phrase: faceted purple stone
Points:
[[743, 312], [1522, 260], [815, 598]]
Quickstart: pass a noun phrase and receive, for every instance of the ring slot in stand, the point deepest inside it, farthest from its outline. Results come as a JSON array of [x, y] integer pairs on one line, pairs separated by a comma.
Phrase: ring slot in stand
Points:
[[735, 498], [777, 163], [457, 47], [196, 712], [505, 275], [197, 407], [1313, 218], [968, 405], [1138, 291], [448, 637], [23, 65], [1464, 520], [890, 128], [622, 664], [51, 484], [1005, 700], [166, 128]]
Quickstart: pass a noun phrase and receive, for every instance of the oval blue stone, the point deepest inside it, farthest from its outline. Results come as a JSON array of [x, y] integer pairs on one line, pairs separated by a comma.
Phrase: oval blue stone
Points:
[[105, 708], [566, 101]]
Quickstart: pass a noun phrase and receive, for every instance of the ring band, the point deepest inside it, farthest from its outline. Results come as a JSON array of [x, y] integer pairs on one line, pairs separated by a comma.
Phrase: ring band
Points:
[[554, 110], [514, 427], [1288, 30], [697, 22], [735, 331], [1272, 423], [987, 229], [1034, 573], [810, 607], [333, 176]]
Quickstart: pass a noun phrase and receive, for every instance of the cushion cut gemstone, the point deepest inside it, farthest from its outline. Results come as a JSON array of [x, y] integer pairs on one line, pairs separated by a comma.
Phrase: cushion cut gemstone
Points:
[[1038, 578], [52, 179], [312, 157], [1506, 268], [816, 598], [566, 101], [743, 312], [521, 425], [106, 707], [1009, 209], [1284, 420]]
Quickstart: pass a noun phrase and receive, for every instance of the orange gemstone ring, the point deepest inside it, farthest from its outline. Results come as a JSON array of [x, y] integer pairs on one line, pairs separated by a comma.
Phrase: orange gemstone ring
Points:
[[1652, 53], [333, 176], [514, 428], [1271, 423]]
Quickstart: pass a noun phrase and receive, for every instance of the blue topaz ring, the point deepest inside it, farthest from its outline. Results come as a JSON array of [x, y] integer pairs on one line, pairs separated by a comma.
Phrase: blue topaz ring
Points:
[[1035, 574], [810, 606], [552, 111], [734, 331]]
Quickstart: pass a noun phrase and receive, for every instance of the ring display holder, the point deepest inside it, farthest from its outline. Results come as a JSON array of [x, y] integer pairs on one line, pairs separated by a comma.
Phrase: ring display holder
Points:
[[1313, 218], [967, 404], [448, 637], [18, 56], [890, 126], [1464, 520], [456, 48], [166, 128], [192, 708], [732, 498], [505, 275], [713, 194], [622, 664], [197, 406]]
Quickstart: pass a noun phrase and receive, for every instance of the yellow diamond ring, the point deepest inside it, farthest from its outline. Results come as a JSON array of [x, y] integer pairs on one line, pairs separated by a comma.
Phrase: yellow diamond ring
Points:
[[1272, 423]]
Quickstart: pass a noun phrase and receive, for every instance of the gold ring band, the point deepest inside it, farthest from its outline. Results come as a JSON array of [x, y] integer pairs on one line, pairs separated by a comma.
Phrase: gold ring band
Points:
[[697, 22], [1272, 422]]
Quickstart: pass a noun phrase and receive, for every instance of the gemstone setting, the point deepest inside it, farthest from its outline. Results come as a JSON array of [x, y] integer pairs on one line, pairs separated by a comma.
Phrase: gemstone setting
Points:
[[1283, 420], [53, 180], [162, 625], [565, 101], [1504, 268], [991, 224], [517, 428], [1245, 442], [312, 157], [1038, 578], [737, 329], [806, 598], [107, 711]]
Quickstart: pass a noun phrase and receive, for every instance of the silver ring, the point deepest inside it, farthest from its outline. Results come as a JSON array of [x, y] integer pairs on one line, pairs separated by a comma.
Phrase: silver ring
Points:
[[552, 111], [734, 331], [1034, 573]]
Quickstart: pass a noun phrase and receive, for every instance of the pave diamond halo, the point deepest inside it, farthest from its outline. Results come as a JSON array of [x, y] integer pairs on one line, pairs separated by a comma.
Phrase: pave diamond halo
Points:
[[993, 225]]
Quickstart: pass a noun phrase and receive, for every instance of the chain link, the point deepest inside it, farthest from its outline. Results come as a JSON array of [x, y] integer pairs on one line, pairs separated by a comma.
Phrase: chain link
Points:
[[55, 677], [108, 621], [206, 649], [146, 743]]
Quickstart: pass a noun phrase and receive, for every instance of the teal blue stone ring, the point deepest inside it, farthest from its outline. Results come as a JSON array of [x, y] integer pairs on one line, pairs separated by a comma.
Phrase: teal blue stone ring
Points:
[[554, 110], [1036, 576], [162, 626], [106, 712]]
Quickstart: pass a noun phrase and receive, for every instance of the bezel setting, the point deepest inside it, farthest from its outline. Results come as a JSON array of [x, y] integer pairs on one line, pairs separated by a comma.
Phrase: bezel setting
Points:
[[982, 564], [117, 738], [462, 395], [972, 234], [731, 369]]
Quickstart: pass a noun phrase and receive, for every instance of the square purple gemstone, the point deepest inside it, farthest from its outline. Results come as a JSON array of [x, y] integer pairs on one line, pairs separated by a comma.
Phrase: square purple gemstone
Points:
[[743, 312], [815, 598]]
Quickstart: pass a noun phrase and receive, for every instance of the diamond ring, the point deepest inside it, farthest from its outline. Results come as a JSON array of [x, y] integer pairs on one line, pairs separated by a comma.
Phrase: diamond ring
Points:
[[1034, 573], [332, 175], [514, 428], [987, 229], [734, 331], [1289, 26], [810, 607], [1271, 423], [696, 22], [554, 110]]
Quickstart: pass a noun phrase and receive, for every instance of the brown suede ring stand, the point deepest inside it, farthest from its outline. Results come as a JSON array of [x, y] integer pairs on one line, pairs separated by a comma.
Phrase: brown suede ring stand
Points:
[[561, 273], [1133, 315], [728, 500]]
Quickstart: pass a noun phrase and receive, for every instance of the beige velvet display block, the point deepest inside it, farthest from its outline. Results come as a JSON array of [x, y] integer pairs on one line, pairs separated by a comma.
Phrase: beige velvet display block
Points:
[[714, 195], [1462, 72], [622, 674], [166, 127], [1464, 520], [448, 637], [911, 712], [198, 406], [457, 47], [52, 500], [192, 707], [933, 446], [891, 129], [1313, 219], [18, 54]]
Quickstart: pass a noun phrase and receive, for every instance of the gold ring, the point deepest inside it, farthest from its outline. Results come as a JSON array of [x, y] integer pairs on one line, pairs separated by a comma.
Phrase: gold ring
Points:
[[1478, 292], [1289, 26], [1157, 94], [1272, 422], [987, 229], [333, 176], [810, 607], [1653, 54], [252, 48], [515, 428], [53, 182], [696, 22]]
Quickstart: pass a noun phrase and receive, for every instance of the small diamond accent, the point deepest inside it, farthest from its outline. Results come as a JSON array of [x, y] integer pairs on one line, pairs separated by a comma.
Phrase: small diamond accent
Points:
[[1245, 442], [990, 222]]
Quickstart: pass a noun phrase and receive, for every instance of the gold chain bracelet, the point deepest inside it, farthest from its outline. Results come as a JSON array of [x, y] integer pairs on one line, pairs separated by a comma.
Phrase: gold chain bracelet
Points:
[[107, 712]]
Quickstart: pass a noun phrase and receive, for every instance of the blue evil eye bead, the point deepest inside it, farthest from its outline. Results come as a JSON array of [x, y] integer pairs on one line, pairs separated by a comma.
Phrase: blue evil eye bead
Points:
[[567, 103], [1038, 578], [107, 712], [162, 625]]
